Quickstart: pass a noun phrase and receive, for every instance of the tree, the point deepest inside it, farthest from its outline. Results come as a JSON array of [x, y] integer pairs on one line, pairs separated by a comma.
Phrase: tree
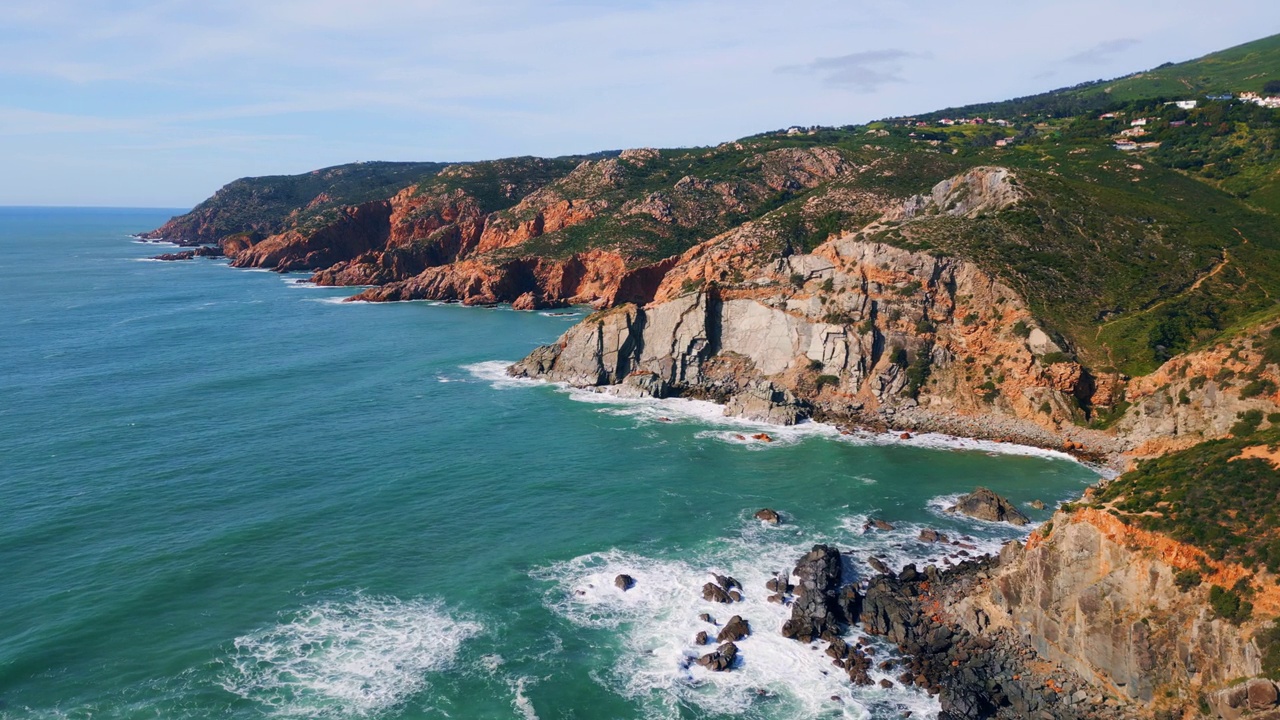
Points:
[[1272, 87]]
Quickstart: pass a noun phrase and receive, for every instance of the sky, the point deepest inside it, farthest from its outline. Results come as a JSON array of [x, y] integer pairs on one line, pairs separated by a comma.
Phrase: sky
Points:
[[158, 103]]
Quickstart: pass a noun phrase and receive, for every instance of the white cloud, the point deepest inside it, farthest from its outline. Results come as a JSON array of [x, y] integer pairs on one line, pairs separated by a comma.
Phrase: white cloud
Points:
[[440, 79]]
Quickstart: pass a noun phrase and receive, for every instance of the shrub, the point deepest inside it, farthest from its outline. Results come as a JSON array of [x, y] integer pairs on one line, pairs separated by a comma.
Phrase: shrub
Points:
[[1268, 641], [797, 279], [1229, 605], [828, 285], [1055, 357], [1248, 422], [1184, 398], [815, 365], [1187, 579], [825, 380], [910, 288], [1254, 388], [1273, 418], [899, 357], [1021, 329], [969, 319], [1046, 408]]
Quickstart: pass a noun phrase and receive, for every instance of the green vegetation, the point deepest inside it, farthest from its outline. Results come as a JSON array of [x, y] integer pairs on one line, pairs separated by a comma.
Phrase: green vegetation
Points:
[[1230, 605], [1208, 496], [1126, 258], [1268, 641], [1248, 67], [824, 380], [265, 204], [1187, 579]]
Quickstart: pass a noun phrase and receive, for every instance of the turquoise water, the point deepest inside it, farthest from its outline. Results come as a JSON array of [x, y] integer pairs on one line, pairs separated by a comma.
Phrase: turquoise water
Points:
[[224, 494]]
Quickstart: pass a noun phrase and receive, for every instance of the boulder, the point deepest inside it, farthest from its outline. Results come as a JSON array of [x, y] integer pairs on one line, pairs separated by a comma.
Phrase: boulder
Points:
[[727, 582], [624, 582], [932, 536], [642, 385], [715, 593], [706, 617], [721, 659], [876, 524], [768, 516], [701, 638], [1037, 504], [1262, 694], [984, 504], [734, 630], [878, 565], [779, 584], [766, 402]]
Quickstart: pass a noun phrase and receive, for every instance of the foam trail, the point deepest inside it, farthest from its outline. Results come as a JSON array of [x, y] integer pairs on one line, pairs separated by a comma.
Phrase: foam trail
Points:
[[340, 659]]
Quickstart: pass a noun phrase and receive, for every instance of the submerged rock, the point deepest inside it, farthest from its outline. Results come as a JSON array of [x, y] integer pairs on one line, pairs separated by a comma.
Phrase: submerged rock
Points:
[[984, 504]]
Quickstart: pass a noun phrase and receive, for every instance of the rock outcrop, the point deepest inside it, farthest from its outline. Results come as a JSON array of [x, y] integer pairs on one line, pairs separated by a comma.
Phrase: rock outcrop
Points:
[[1100, 598], [983, 504], [856, 332]]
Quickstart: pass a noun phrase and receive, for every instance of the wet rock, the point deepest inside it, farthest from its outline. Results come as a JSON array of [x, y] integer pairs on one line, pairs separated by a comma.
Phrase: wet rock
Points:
[[727, 582], [984, 504], [706, 617], [624, 582], [735, 629], [170, 257], [779, 584], [1037, 504], [768, 516], [876, 524], [762, 437], [721, 659], [932, 536], [701, 638], [735, 596], [878, 565], [715, 593], [816, 612], [886, 683]]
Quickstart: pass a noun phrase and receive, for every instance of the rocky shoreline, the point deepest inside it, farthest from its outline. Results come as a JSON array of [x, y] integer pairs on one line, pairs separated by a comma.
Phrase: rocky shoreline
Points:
[[973, 669]]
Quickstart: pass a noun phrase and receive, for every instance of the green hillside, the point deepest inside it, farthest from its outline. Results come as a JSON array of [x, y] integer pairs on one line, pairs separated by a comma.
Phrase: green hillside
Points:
[[1247, 67]]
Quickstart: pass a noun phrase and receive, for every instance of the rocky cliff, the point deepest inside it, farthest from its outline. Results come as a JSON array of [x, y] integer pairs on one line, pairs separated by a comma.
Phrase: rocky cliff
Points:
[[1100, 597], [856, 330]]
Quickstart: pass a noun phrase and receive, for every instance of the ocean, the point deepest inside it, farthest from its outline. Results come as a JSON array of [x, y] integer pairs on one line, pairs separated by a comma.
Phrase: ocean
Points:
[[225, 493]]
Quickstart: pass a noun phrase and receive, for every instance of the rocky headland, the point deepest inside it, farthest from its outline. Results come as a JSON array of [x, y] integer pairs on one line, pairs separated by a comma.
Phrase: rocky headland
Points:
[[1034, 284]]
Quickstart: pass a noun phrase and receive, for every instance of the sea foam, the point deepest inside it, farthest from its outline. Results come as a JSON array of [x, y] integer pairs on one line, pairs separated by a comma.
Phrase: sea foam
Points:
[[351, 658], [653, 625], [737, 430]]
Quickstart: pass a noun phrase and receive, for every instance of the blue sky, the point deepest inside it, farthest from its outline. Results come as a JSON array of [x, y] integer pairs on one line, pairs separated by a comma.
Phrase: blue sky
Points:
[[159, 103]]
